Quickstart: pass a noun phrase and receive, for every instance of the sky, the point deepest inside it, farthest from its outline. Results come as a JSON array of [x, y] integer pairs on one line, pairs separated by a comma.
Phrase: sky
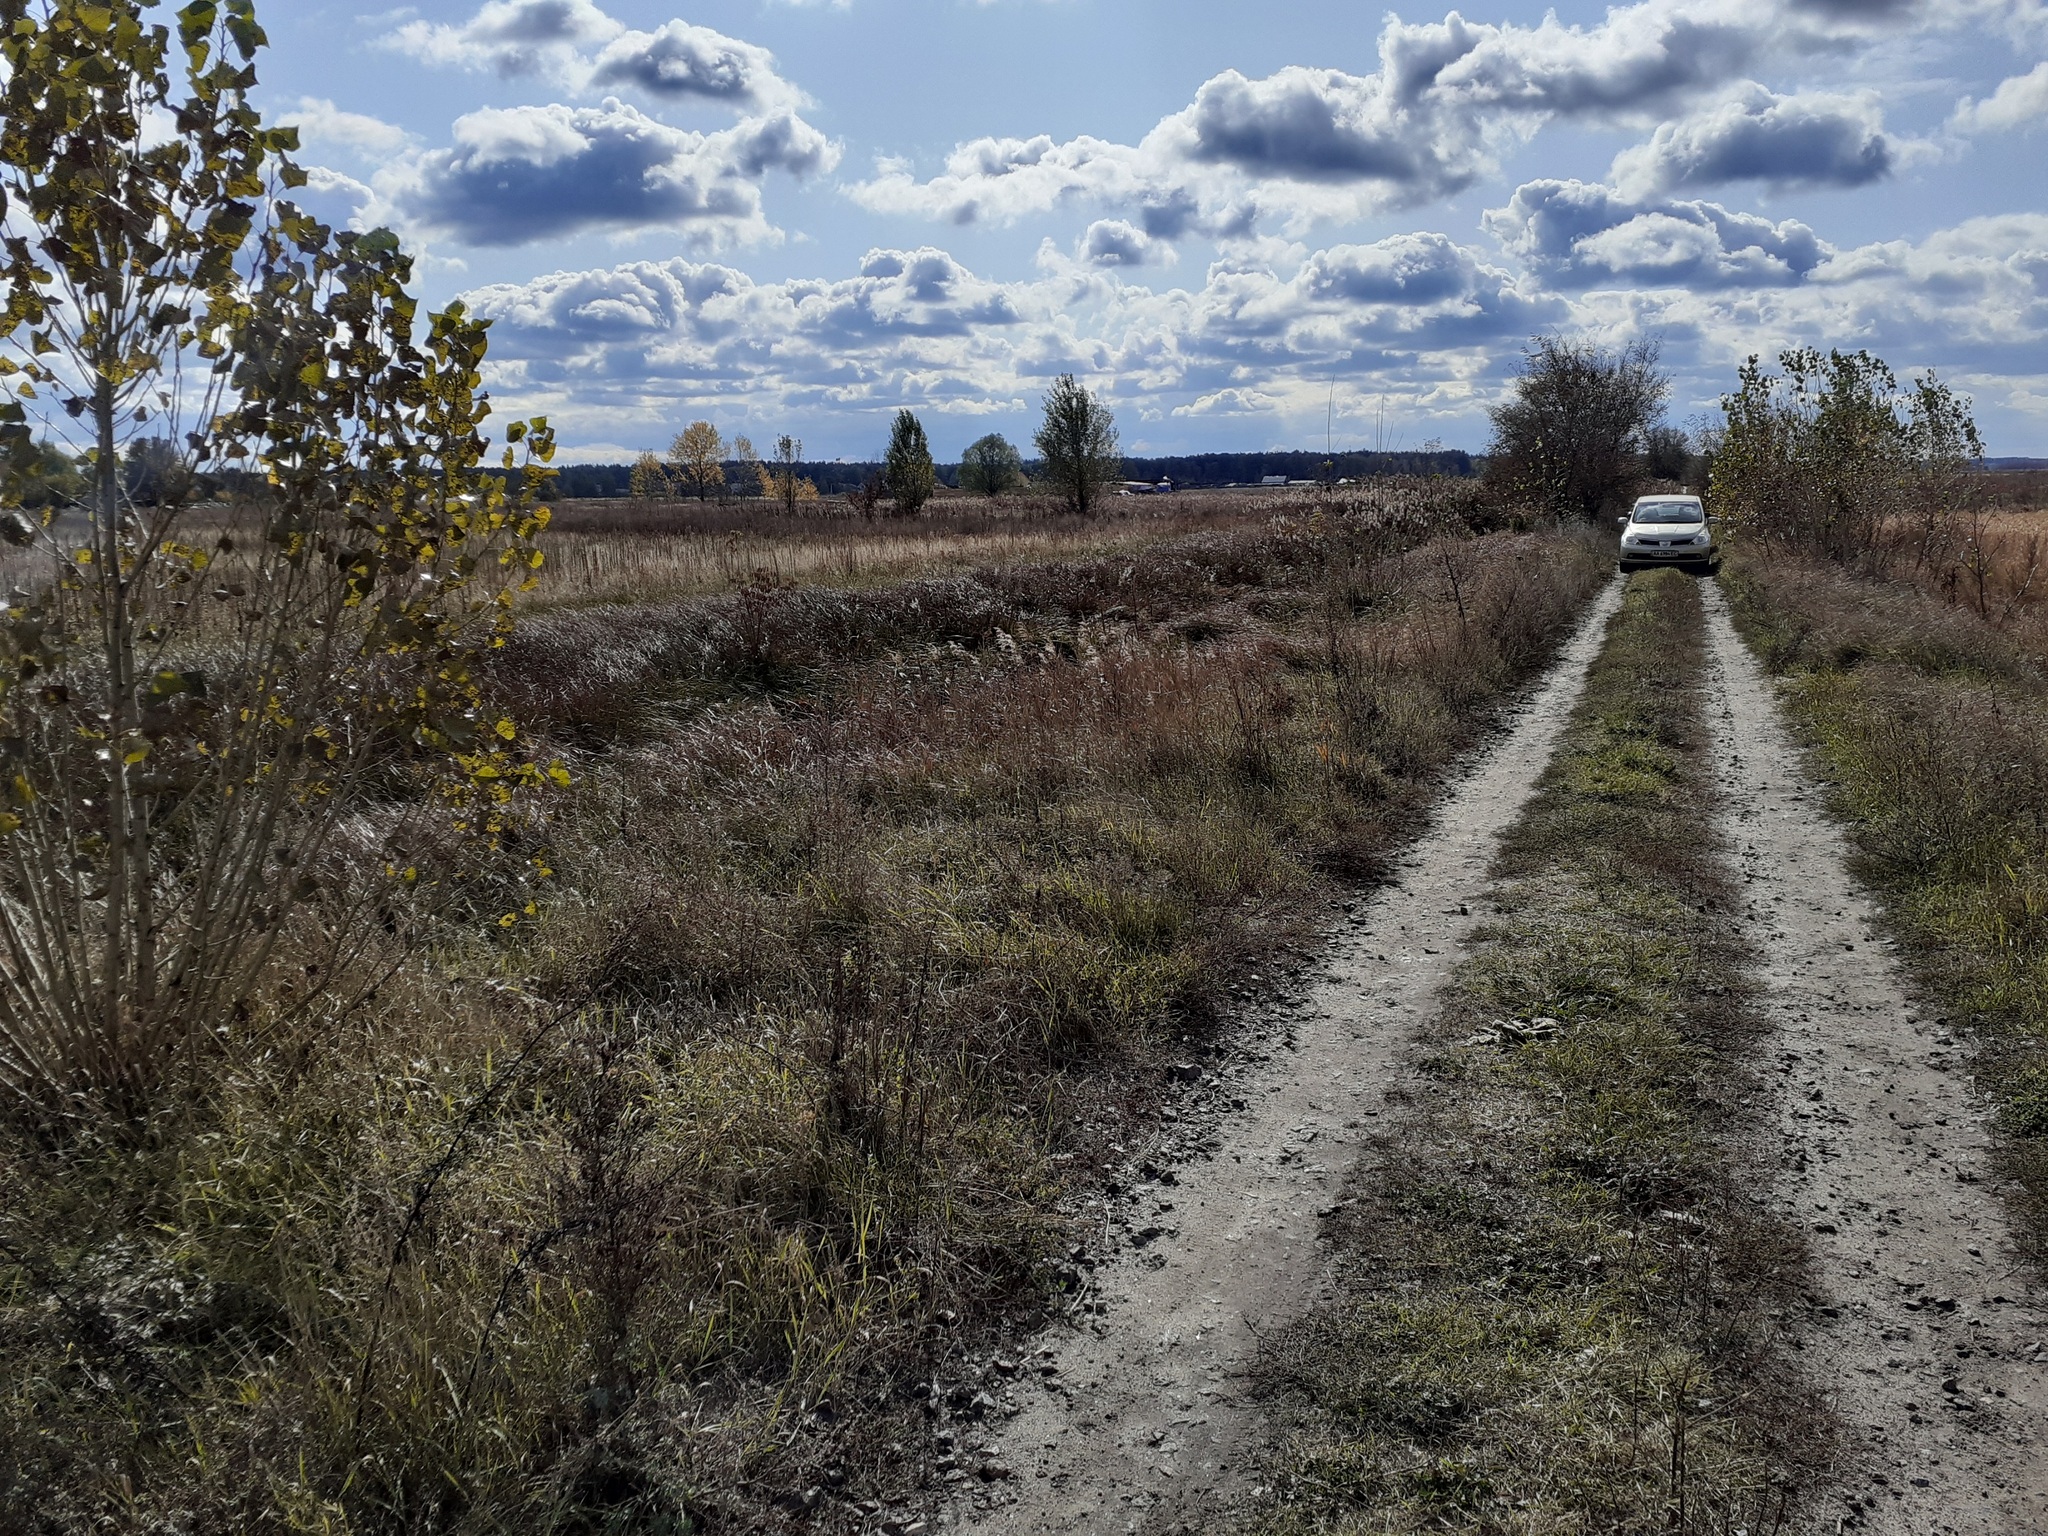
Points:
[[1245, 225]]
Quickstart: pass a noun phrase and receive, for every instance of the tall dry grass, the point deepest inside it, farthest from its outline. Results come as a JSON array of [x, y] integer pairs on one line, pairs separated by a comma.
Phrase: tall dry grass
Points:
[[875, 914], [639, 551]]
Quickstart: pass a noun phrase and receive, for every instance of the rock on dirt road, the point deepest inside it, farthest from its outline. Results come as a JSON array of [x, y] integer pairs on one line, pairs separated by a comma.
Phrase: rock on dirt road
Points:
[[1141, 1421], [1924, 1329]]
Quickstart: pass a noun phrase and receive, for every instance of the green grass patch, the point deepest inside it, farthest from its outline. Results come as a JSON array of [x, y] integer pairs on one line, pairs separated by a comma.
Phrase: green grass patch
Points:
[[1557, 1311]]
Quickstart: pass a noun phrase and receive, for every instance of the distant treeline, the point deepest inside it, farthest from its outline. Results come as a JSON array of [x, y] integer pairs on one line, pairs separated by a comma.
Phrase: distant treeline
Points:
[[576, 482], [1200, 469]]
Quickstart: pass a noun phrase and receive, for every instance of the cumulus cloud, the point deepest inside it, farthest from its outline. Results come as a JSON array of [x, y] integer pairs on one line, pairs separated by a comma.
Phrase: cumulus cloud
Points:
[[643, 338], [321, 122], [1447, 99], [1579, 234], [1419, 315], [2021, 100], [1756, 135], [574, 44], [514, 175], [1118, 243]]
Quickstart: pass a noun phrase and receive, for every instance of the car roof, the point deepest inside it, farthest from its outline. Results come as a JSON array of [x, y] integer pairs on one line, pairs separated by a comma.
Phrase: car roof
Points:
[[1658, 501]]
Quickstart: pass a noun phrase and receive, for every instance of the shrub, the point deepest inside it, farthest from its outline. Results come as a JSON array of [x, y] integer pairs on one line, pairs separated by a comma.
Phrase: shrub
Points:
[[1833, 457]]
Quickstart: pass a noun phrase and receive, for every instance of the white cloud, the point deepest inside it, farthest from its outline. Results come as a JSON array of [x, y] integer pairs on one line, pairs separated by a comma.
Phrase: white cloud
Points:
[[515, 175], [647, 338], [635, 349], [1578, 234], [1307, 145], [1118, 243], [576, 45], [1754, 134], [2021, 100], [321, 122]]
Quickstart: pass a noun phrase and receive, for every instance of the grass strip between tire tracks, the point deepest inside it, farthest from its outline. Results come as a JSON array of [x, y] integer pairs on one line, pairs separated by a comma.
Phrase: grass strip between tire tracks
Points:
[[1559, 1287]]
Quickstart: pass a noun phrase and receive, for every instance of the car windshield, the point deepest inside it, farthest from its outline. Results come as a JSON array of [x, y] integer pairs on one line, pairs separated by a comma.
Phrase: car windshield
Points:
[[1670, 512]]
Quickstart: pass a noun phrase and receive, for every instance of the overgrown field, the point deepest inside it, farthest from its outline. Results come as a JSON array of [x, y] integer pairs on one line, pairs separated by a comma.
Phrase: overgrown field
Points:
[[641, 551], [875, 913], [1561, 1285], [1931, 721]]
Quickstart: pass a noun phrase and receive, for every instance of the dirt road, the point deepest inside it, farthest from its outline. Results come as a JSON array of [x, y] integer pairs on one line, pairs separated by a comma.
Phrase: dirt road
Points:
[[1923, 1326], [1141, 1422], [1927, 1332]]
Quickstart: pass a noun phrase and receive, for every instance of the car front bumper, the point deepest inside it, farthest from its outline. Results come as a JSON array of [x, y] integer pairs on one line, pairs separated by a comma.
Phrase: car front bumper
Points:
[[1666, 554]]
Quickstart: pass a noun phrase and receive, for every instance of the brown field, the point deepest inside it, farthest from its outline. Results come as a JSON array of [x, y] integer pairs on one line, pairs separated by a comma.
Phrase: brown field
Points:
[[607, 550]]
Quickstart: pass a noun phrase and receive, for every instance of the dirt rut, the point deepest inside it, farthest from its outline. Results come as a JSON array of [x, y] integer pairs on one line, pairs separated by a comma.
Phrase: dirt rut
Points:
[[1924, 1327], [1143, 1422]]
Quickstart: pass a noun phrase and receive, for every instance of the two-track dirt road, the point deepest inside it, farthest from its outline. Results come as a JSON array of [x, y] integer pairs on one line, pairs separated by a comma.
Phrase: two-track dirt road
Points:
[[1928, 1336]]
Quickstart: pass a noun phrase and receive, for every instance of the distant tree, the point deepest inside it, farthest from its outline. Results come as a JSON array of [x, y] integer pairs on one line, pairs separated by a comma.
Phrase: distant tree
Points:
[[1667, 454], [1572, 436], [50, 477], [154, 471], [1077, 444], [697, 459], [748, 464], [991, 466], [650, 479], [780, 481], [907, 467]]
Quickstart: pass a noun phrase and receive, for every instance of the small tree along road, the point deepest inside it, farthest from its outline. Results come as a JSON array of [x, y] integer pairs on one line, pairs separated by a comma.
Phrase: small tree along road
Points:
[[1077, 445], [196, 698]]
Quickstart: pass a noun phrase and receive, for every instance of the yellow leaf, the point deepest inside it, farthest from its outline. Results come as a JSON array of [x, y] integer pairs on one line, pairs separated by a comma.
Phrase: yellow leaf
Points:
[[508, 730]]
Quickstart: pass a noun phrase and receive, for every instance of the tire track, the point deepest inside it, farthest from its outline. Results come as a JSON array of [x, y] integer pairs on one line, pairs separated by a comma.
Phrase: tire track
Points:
[[1143, 1421], [1925, 1328]]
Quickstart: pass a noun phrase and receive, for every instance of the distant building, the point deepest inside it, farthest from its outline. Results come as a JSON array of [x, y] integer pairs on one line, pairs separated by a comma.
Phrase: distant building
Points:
[[1148, 488], [1274, 480]]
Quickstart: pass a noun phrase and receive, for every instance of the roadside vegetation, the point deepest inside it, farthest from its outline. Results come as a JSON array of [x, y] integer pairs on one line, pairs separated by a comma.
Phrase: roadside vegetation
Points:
[[1898, 596], [1560, 1287], [1930, 725]]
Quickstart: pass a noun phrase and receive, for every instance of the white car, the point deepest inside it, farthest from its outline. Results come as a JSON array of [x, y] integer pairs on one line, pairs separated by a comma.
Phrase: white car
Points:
[[1667, 530]]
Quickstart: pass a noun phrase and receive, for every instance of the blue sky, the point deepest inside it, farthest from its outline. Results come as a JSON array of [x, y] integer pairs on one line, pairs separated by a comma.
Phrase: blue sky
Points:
[[1225, 216]]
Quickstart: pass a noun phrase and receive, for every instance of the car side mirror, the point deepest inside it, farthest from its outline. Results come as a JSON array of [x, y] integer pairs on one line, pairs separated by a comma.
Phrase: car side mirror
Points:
[[1621, 522]]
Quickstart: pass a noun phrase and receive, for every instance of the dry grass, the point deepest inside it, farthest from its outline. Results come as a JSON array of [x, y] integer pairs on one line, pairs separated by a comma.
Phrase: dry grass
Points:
[[875, 911], [1557, 1311], [607, 552]]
